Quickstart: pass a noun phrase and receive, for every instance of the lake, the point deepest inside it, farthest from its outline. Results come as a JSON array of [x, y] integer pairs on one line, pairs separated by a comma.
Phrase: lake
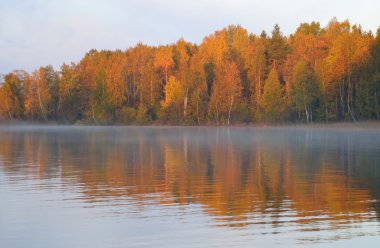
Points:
[[189, 187]]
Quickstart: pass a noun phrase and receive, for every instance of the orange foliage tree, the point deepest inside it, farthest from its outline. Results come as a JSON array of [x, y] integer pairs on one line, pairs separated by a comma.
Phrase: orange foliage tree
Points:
[[228, 77]]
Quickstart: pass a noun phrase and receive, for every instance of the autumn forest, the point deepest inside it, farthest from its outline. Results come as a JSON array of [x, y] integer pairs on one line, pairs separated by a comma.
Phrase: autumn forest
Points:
[[316, 74]]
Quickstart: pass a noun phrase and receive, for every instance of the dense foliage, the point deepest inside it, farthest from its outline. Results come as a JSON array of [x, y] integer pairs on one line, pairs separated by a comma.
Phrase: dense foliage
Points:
[[315, 74]]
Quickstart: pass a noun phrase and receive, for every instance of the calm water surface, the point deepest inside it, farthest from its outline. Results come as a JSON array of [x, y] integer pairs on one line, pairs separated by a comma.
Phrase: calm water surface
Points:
[[189, 187]]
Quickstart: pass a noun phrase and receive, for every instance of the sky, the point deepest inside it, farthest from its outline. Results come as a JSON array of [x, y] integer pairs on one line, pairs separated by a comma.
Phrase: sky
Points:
[[37, 33]]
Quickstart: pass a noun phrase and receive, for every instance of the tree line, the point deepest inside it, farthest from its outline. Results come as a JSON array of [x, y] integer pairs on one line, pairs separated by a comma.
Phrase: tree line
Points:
[[315, 74]]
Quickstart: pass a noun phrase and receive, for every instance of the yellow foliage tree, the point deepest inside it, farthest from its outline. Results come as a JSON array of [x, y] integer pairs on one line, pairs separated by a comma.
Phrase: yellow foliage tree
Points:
[[174, 93], [226, 90], [164, 60]]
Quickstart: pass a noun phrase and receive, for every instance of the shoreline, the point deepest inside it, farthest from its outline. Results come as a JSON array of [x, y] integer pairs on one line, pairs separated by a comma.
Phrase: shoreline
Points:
[[372, 124]]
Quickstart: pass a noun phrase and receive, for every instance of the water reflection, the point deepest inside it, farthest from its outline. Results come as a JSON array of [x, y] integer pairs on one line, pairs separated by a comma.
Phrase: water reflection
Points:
[[309, 182]]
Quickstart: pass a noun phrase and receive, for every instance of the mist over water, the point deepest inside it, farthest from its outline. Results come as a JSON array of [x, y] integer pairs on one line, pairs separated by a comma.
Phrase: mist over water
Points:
[[189, 187]]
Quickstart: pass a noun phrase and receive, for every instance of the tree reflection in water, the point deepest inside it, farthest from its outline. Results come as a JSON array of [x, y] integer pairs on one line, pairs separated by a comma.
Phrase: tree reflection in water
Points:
[[308, 179]]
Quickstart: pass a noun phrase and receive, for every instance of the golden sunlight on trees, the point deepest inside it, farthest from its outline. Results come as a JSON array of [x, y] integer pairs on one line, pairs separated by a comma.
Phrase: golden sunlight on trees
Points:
[[164, 60], [45, 80], [317, 73], [11, 95], [226, 92], [174, 93]]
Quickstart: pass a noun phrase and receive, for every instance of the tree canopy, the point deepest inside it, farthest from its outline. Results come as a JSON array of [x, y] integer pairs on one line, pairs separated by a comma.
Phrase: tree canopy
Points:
[[317, 73]]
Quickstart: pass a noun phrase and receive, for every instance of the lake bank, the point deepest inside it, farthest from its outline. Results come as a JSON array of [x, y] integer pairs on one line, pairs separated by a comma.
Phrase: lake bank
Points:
[[358, 124]]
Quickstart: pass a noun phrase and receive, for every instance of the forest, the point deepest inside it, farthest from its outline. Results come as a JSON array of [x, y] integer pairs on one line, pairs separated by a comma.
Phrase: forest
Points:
[[316, 74]]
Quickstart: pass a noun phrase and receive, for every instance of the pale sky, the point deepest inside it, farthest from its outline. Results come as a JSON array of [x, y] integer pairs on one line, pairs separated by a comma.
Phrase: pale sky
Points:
[[36, 33]]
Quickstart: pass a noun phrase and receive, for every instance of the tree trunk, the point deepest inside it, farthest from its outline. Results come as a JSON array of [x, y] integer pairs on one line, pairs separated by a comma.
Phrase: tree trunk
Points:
[[311, 114], [348, 98], [229, 111], [185, 105], [259, 89], [341, 97], [336, 106], [349, 84], [198, 107], [134, 88], [40, 102], [93, 113], [9, 112], [305, 104], [217, 114], [59, 102], [324, 96]]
